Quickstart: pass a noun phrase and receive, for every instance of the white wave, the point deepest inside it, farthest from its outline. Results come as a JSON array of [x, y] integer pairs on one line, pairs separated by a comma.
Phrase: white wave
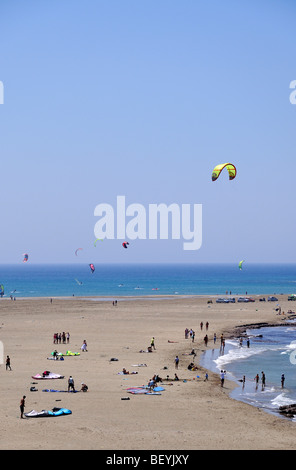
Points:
[[238, 354], [281, 400]]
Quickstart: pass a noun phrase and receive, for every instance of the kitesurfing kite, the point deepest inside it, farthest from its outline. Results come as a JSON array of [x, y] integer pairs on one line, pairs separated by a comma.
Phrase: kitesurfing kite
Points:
[[217, 170], [78, 250], [26, 257], [92, 267], [240, 264], [98, 240], [125, 244]]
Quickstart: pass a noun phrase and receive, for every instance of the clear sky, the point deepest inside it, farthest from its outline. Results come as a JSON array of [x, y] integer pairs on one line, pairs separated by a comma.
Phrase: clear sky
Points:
[[143, 99]]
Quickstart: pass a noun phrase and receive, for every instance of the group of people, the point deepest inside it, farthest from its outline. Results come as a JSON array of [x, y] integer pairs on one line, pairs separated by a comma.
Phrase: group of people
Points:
[[58, 338], [154, 381], [61, 338], [71, 385], [190, 333]]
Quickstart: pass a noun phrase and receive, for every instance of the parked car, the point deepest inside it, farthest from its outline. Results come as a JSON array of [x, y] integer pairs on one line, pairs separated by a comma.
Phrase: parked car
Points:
[[222, 301], [292, 297], [245, 299], [272, 299]]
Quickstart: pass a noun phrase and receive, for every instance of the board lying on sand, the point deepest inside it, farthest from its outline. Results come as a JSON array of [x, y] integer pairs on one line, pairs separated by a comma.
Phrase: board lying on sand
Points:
[[48, 413], [47, 375]]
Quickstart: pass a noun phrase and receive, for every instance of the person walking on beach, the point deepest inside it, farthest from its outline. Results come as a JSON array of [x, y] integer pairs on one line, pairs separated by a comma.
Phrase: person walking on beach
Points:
[[176, 362], [8, 363], [22, 406], [152, 344]]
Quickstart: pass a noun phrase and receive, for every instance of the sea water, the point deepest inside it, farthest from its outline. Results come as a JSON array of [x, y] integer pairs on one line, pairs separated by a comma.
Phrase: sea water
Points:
[[32, 280], [271, 350]]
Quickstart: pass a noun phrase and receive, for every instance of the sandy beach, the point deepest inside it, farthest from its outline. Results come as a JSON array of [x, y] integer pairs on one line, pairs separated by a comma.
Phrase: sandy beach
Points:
[[189, 414]]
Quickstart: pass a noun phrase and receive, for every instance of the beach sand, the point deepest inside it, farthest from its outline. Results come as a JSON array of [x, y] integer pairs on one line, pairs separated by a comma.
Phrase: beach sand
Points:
[[190, 414]]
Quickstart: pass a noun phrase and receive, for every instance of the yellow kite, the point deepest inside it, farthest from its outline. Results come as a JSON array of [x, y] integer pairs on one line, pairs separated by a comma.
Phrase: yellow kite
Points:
[[217, 170]]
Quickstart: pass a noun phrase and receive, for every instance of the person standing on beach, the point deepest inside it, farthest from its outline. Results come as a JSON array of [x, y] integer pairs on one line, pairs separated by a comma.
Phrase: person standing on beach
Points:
[[71, 384], [22, 406], [282, 380], [263, 380], [257, 380], [84, 346], [222, 377], [176, 362]]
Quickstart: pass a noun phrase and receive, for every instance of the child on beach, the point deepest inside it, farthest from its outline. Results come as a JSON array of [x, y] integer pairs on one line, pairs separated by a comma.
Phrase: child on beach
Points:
[[84, 346]]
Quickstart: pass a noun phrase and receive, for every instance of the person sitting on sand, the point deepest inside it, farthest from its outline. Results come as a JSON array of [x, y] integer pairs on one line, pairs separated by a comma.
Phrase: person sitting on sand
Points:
[[124, 371], [55, 354], [84, 387], [156, 378]]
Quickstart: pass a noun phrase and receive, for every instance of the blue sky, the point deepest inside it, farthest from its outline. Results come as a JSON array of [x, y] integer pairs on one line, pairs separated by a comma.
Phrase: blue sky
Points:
[[143, 99]]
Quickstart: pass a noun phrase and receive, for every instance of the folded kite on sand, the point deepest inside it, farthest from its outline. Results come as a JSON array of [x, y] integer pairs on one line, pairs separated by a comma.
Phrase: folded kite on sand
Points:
[[67, 353], [47, 413], [47, 375], [60, 391], [145, 390]]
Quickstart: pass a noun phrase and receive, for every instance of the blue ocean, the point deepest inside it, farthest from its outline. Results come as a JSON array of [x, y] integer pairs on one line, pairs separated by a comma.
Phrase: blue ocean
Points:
[[32, 280]]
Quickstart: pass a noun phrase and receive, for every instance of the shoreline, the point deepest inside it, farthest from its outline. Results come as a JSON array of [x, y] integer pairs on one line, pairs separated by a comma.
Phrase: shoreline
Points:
[[100, 417]]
